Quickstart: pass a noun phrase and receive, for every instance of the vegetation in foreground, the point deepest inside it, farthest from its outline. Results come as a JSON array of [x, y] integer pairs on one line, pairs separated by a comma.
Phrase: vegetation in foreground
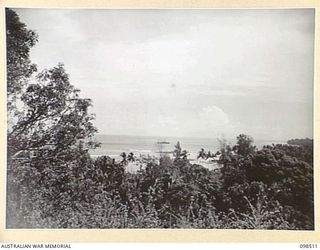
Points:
[[52, 182]]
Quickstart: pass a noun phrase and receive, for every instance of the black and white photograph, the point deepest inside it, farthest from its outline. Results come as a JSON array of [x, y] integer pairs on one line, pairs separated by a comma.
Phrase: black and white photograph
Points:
[[160, 118]]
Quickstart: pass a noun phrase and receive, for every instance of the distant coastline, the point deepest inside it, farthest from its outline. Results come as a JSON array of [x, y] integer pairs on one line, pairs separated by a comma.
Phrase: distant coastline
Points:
[[140, 146]]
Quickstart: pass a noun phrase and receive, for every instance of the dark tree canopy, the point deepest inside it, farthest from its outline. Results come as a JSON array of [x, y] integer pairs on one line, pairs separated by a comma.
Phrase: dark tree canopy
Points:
[[301, 142], [54, 114], [19, 67], [49, 130], [49, 110], [244, 145]]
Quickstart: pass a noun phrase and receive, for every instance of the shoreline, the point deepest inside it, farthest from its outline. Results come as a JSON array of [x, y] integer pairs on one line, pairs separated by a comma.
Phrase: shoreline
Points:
[[133, 167]]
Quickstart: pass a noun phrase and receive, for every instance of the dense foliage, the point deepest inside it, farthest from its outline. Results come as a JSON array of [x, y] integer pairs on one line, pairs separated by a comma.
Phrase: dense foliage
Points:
[[53, 182]]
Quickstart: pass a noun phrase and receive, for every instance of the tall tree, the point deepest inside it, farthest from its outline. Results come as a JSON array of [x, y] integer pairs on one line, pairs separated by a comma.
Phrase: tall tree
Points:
[[45, 109], [53, 114], [177, 151], [244, 145], [19, 67], [51, 123]]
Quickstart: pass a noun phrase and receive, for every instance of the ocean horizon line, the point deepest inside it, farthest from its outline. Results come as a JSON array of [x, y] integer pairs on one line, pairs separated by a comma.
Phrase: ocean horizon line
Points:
[[190, 137]]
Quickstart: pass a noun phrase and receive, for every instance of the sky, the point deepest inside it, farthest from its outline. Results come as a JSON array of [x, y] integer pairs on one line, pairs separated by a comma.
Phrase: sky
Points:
[[195, 73]]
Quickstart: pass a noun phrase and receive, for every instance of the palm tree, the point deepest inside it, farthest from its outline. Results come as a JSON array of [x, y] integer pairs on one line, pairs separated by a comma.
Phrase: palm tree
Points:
[[201, 154], [124, 158], [184, 154], [131, 157], [210, 155]]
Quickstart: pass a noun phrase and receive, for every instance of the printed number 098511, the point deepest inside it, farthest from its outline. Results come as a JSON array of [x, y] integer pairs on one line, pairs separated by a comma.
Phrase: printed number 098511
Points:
[[308, 246]]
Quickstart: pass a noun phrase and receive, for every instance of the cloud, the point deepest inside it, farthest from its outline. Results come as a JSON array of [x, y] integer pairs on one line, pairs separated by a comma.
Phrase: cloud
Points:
[[212, 120], [187, 72], [214, 115]]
